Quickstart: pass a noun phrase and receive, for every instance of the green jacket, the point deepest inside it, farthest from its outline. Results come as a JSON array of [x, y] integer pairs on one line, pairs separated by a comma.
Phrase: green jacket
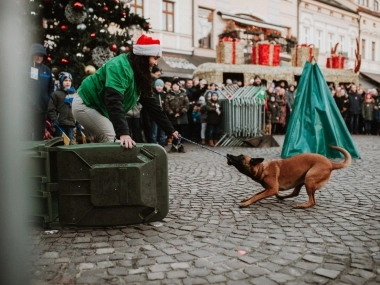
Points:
[[368, 110], [177, 102], [118, 74]]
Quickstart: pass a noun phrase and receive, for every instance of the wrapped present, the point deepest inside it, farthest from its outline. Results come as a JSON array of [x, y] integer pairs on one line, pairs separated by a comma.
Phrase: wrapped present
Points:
[[266, 54], [335, 62], [230, 51], [302, 53], [328, 62]]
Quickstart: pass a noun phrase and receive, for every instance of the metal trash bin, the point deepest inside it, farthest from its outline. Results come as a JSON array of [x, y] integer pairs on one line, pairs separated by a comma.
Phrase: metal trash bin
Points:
[[100, 184]]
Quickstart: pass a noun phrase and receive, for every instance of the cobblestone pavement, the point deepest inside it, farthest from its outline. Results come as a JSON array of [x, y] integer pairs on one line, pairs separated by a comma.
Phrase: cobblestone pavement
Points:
[[207, 239]]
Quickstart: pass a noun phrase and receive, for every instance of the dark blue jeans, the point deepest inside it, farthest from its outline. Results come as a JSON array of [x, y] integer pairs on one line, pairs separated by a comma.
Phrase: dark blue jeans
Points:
[[354, 123], [158, 135], [68, 130], [367, 126], [213, 131]]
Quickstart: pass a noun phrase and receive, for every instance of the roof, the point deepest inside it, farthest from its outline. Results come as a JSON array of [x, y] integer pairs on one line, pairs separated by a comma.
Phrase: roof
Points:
[[337, 4], [368, 11]]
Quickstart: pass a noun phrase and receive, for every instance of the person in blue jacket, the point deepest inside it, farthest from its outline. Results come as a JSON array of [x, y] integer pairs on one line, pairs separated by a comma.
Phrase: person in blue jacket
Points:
[[40, 88]]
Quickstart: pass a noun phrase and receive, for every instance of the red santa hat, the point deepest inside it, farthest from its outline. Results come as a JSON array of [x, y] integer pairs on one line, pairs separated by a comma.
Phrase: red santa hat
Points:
[[147, 46]]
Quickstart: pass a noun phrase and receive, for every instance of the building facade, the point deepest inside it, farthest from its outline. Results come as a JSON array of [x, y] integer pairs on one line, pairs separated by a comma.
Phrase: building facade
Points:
[[189, 29], [327, 23], [369, 34]]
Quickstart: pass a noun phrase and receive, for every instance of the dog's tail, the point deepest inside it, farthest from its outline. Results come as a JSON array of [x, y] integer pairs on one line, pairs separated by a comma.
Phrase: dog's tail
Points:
[[347, 158]]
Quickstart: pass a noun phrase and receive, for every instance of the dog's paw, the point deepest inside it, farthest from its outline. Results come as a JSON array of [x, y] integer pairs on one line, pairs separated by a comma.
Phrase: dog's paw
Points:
[[280, 197], [244, 205], [303, 206], [245, 199]]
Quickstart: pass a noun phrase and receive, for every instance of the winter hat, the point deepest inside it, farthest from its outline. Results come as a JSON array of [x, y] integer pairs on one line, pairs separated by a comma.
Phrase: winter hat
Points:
[[156, 69], [228, 81], [159, 82], [147, 46], [214, 92], [176, 81], [63, 75]]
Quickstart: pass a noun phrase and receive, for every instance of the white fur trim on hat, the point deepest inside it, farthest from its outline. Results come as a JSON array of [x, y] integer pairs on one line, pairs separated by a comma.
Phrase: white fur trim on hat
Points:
[[148, 50], [147, 46]]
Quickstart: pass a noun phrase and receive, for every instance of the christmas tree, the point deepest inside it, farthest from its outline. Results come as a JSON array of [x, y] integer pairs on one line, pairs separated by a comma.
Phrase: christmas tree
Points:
[[81, 35]]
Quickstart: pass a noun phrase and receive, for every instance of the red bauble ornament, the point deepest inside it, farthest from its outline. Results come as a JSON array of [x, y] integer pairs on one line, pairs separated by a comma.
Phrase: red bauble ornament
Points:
[[64, 27], [78, 5], [64, 60], [93, 35], [105, 8], [113, 47], [48, 58]]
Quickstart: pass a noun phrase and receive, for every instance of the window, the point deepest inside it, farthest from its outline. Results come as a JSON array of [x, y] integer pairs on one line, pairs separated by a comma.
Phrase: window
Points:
[[366, 3], [137, 7], [363, 49], [342, 44], [306, 34], [319, 40], [375, 5], [330, 41], [168, 17], [361, 2], [373, 51], [351, 51], [205, 27]]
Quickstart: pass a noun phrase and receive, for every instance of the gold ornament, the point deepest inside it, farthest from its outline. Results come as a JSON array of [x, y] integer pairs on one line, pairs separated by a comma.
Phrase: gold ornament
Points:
[[89, 69]]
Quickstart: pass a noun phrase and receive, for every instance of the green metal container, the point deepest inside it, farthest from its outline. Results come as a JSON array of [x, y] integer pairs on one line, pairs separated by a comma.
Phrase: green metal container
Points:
[[102, 184]]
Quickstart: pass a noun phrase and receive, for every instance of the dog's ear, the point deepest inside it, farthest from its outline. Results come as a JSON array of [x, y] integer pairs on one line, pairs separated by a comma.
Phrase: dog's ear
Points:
[[256, 161]]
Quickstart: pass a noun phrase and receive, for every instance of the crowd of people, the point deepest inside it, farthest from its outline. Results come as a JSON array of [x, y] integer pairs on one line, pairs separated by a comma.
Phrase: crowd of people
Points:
[[128, 99], [360, 109]]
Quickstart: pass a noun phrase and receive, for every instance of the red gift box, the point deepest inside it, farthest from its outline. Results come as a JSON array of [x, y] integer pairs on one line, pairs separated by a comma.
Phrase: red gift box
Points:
[[335, 62], [266, 54]]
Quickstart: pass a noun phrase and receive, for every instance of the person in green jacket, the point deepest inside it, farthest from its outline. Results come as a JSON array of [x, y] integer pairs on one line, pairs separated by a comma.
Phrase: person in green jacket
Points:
[[107, 95]]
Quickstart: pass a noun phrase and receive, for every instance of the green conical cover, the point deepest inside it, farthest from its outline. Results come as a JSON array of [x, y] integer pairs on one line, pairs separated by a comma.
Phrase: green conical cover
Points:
[[316, 122]]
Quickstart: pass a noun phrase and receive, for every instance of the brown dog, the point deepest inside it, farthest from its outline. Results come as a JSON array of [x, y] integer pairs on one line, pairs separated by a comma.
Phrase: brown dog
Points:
[[309, 169]]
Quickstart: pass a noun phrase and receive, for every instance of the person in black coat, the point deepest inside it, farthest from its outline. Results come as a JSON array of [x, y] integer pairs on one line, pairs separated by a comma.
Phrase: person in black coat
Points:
[[40, 85], [355, 103], [214, 111]]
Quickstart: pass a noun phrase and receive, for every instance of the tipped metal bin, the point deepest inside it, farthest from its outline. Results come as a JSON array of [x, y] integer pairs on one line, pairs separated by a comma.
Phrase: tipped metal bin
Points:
[[102, 185]]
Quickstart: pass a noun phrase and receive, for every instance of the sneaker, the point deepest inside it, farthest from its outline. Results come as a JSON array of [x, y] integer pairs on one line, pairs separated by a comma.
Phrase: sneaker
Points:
[[181, 149]]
